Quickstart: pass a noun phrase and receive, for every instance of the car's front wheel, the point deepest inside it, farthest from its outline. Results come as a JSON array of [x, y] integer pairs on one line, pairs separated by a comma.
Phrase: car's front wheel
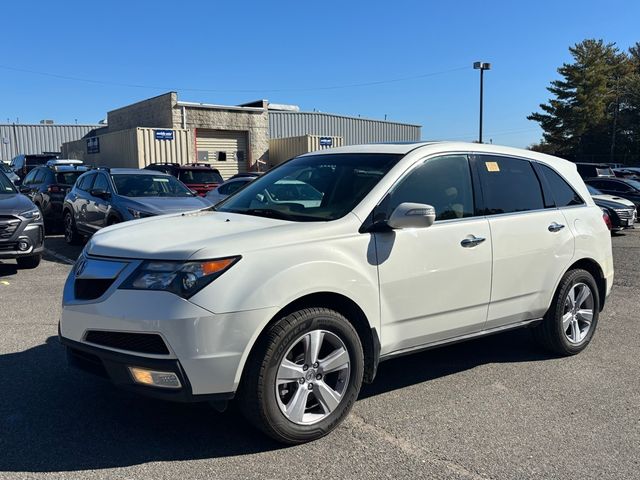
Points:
[[304, 376], [570, 322], [31, 261]]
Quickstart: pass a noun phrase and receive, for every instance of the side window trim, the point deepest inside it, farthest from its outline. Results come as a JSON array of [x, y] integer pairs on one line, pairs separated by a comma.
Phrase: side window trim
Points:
[[547, 192]]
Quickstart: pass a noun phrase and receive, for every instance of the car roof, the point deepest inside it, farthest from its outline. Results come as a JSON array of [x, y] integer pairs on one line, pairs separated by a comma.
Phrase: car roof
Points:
[[135, 171]]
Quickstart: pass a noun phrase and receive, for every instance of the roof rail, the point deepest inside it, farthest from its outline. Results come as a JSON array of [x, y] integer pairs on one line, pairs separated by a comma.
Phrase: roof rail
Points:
[[175, 164], [103, 167]]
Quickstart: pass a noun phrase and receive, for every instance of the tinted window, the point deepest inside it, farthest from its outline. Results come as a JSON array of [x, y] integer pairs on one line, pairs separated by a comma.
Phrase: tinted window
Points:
[[200, 176], [6, 187], [593, 190], [101, 183], [67, 178], [136, 185], [85, 182], [232, 187], [29, 179], [563, 194], [443, 182], [41, 175], [509, 185]]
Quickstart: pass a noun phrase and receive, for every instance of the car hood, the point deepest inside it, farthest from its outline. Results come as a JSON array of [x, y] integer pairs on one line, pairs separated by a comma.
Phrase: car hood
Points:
[[612, 201], [162, 205], [14, 204], [203, 234]]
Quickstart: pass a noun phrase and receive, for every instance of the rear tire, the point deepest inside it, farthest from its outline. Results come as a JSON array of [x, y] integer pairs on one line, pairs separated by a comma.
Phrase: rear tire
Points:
[[71, 235], [303, 377], [29, 262], [570, 323]]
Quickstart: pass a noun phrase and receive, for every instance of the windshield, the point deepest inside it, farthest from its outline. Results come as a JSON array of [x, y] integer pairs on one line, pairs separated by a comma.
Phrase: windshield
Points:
[[604, 172], [68, 178], [4, 167], [593, 190], [312, 188], [634, 183], [6, 186], [135, 185], [200, 176]]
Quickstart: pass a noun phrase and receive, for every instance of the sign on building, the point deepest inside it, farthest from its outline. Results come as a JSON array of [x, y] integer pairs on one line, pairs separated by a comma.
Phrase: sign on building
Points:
[[93, 145], [164, 134], [326, 141]]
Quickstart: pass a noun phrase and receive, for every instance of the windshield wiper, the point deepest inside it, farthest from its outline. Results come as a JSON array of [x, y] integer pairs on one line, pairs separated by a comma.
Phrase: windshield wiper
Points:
[[264, 212]]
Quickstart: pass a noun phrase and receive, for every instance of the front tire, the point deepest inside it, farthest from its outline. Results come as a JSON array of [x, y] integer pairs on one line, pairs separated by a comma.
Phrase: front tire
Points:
[[303, 377], [71, 235], [570, 323], [31, 261]]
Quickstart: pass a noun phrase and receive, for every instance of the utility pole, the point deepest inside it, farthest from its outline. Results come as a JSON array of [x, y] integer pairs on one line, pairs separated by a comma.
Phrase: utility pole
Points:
[[482, 66]]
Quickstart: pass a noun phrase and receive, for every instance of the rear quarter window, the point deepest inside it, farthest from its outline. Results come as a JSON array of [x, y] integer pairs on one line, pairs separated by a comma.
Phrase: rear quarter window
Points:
[[563, 194]]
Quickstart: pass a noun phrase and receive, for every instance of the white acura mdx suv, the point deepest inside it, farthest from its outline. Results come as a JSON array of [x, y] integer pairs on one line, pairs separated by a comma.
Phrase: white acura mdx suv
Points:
[[289, 293]]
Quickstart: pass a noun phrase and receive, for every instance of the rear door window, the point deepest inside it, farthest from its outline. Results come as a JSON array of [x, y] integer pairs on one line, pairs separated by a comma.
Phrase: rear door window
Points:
[[101, 182], [509, 185], [85, 182], [563, 194]]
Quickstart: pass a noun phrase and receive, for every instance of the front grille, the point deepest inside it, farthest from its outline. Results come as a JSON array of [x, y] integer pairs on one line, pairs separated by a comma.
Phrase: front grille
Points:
[[91, 288], [133, 342], [8, 247], [8, 226], [625, 214]]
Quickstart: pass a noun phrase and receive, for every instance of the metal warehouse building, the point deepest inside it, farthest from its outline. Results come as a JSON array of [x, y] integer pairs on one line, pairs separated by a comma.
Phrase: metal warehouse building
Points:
[[233, 138], [30, 139]]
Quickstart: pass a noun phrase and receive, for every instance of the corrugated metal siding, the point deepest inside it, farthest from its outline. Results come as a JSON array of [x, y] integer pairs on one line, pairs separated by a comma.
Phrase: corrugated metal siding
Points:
[[28, 139], [353, 130], [231, 142], [178, 150], [281, 149]]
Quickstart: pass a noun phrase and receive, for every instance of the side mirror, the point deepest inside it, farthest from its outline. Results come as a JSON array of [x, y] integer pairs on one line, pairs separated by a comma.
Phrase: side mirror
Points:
[[99, 193], [24, 189], [412, 215]]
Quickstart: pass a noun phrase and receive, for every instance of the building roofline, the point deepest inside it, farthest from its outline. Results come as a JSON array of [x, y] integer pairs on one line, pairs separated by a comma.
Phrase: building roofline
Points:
[[93, 125], [350, 117], [213, 106]]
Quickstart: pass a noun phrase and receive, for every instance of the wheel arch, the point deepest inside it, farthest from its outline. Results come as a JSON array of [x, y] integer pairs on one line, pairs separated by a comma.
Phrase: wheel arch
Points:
[[593, 267], [346, 307]]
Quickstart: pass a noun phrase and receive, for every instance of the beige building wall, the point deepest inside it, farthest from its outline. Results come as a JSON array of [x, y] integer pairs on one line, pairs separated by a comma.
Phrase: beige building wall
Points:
[[153, 112]]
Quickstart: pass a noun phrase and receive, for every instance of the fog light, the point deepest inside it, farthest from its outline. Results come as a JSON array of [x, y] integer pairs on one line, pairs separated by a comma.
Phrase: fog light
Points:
[[154, 378], [23, 245]]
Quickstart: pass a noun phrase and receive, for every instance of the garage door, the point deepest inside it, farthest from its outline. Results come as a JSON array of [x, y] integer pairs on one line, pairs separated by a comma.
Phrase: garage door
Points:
[[225, 150]]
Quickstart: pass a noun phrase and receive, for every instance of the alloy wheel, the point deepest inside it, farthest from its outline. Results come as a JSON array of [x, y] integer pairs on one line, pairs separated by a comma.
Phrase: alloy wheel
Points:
[[578, 313], [312, 377]]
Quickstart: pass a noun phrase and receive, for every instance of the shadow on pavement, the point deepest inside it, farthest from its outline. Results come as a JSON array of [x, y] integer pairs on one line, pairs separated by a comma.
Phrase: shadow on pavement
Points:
[[8, 268], [53, 418]]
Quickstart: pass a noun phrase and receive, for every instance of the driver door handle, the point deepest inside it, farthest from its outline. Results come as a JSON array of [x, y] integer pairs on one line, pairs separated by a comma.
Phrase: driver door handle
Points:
[[472, 241], [555, 227]]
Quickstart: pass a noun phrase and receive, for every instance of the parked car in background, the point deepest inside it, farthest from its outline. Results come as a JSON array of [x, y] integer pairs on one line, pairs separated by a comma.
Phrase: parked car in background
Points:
[[627, 172], [199, 177], [23, 164], [225, 189], [619, 187], [105, 197], [47, 186], [246, 175], [590, 170], [6, 169], [21, 227], [412, 246], [622, 213]]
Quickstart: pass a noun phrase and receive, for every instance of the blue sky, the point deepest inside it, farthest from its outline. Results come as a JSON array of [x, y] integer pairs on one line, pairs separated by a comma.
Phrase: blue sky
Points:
[[296, 52]]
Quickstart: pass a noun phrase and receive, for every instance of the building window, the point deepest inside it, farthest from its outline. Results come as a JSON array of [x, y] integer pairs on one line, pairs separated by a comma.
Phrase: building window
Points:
[[222, 156]]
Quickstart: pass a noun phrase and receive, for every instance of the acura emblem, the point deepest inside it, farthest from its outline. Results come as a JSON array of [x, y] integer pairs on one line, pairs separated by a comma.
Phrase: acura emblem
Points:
[[82, 264]]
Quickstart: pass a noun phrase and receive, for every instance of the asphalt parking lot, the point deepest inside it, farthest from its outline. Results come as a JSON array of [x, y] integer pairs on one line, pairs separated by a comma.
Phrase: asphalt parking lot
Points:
[[491, 408]]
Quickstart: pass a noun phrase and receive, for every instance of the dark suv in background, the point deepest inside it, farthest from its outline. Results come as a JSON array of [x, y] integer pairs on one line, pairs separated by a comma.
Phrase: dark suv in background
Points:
[[23, 164], [48, 185], [591, 170], [199, 177], [21, 227]]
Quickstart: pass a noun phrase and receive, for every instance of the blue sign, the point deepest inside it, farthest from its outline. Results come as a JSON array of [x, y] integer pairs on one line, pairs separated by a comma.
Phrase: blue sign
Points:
[[93, 145], [326, 141], [164, 134]]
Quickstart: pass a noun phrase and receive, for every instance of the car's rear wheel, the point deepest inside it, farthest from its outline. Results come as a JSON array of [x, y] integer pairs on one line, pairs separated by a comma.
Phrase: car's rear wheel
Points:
[[570, 323], [304, 376], [71, 234], [31, 261]]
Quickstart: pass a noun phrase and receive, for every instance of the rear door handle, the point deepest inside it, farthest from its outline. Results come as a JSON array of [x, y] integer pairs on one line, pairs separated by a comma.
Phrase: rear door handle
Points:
[[555, 227], [472, 241]]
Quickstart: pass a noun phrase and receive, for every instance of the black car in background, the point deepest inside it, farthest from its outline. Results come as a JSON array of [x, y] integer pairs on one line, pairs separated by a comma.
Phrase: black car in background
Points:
[[621, 212], [621, 187], [199, 177], [23, 164], [21, 227], [47, 186]]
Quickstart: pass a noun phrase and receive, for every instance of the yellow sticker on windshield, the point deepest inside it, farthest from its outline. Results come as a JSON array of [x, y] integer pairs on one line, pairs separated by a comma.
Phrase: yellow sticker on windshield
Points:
[[492, 166]]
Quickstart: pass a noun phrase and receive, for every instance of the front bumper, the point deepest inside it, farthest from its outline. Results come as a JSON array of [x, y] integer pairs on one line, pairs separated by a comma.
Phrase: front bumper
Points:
[[206, 350], [32, 232]]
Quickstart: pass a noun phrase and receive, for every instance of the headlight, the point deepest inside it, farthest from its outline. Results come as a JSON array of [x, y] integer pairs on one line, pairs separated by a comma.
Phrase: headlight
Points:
[[33, 214], [139, 213], [185, 279]]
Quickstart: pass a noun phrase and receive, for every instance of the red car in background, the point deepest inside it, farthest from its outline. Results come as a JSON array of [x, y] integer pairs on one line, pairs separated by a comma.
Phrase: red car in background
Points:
[[199, 177]]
